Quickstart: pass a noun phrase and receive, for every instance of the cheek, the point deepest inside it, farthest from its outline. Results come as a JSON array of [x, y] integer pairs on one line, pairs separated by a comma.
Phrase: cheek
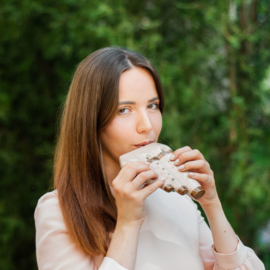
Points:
[[124, 128], [119, 129], [157, 122]]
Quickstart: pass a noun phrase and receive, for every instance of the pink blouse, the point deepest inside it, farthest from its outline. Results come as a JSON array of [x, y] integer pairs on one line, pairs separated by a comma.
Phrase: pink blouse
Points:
[[173, 236]]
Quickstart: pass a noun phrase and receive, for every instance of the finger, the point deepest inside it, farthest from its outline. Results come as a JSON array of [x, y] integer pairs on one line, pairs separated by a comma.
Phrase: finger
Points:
[[146, 191], [205, 179], [179, 151], [187, 156], [129, 172], [142, 178], [201, 165]]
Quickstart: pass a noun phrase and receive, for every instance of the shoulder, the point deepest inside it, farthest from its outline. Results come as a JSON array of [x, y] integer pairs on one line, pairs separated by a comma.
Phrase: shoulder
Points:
[[54, 248], [48, 200], [48, 209], [52, 195]]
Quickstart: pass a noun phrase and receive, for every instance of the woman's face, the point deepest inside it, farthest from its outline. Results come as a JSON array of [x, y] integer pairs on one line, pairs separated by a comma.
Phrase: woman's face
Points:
[[134, 123]]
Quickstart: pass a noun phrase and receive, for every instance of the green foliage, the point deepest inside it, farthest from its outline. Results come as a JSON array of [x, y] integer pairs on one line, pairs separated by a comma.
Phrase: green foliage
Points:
[[213, 58]]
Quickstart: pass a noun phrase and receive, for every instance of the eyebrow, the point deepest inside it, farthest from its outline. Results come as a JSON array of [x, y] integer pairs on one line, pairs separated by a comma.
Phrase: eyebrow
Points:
[[131, 102]]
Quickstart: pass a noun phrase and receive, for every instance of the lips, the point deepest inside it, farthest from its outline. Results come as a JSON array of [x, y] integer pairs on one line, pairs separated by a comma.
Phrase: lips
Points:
[[143, 143]]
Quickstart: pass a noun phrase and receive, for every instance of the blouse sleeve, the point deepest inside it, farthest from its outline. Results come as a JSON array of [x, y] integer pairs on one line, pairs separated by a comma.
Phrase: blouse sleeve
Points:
[[54, 249], [244, 258]]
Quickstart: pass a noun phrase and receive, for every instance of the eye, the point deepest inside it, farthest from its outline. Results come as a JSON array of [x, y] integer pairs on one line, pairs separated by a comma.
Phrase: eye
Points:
[[155, 104], [123, 109]]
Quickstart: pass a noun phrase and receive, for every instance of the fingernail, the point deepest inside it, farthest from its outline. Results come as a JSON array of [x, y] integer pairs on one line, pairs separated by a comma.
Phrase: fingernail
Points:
[[181, 167], [172, 157], [176, 162], [191, 174]]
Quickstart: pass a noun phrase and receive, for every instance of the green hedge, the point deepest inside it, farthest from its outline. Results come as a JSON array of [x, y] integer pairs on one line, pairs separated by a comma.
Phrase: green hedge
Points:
[[214, 63]]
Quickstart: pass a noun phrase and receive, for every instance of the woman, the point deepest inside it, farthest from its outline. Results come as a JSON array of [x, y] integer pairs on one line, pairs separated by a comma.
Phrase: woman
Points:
[[98, 218]]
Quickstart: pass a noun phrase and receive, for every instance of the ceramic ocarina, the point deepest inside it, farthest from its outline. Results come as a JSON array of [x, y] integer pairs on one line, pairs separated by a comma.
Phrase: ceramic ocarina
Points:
[[158, 156]]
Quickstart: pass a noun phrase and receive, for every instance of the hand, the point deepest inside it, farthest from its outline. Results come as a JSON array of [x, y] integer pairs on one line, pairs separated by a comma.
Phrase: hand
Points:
[[199, 170], [129, 198]]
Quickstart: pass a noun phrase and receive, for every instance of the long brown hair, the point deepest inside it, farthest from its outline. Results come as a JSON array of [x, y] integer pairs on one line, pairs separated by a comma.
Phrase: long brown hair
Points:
[[85, 198]]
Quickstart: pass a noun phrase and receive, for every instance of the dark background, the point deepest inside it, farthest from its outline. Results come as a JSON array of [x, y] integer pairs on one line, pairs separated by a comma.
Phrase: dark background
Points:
[[214, 61]]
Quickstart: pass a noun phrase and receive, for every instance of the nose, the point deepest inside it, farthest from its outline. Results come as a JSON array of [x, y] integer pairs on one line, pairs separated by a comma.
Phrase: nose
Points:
[[144, 124]]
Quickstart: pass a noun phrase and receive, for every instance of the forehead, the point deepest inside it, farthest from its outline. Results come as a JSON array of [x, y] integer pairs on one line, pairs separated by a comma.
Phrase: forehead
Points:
[[136, 84]]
